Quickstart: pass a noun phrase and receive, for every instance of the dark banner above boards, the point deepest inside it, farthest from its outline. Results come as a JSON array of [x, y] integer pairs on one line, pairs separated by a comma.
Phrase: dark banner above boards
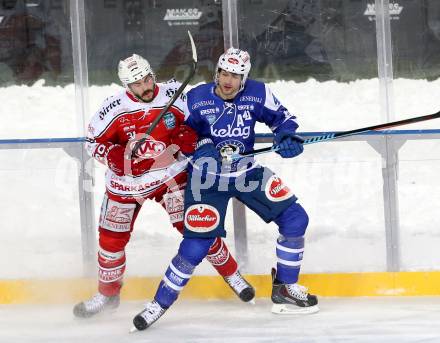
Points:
[[291, 40]]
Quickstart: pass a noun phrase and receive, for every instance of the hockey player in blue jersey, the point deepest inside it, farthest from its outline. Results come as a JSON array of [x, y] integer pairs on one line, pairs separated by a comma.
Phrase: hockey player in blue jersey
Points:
[[224, 114]]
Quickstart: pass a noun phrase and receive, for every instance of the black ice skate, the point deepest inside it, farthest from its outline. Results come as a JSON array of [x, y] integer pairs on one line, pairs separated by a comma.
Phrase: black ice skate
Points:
[[292, 298], [240, 286], [98, 303], [152, 312]]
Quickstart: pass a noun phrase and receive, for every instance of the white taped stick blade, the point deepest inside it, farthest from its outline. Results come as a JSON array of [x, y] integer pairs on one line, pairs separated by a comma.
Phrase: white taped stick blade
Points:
[[193, 47]]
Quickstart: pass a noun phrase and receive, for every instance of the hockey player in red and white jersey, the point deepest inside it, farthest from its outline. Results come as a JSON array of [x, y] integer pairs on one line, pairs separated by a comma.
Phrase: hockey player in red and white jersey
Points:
[[157, 172]]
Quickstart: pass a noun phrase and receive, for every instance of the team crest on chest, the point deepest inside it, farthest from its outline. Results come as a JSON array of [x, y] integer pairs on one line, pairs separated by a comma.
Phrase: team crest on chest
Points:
[[230, 147]]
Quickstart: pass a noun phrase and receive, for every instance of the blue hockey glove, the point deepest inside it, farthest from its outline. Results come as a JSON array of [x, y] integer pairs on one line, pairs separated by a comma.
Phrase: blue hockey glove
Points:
[[207, 156], [206, 148], [289, 145]]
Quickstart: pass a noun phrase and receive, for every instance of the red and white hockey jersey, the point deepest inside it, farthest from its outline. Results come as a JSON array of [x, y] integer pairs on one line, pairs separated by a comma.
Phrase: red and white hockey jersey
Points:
[[121, 120]]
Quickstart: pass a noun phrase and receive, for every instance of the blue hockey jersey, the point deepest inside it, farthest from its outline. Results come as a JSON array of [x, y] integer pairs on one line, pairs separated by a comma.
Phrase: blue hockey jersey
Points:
[[231, 124]]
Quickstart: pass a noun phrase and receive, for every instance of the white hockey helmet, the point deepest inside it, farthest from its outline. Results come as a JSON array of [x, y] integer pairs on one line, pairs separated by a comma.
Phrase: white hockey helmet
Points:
[[134, 68], [234, 61]]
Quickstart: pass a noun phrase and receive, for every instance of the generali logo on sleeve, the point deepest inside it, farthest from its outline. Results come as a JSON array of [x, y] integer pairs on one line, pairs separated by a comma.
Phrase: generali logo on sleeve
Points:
[[201, 218]]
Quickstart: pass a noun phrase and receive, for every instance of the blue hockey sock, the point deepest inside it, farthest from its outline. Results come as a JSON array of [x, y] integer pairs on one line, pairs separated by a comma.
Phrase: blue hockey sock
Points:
[[176, 277], [289, 253], [191, 252]]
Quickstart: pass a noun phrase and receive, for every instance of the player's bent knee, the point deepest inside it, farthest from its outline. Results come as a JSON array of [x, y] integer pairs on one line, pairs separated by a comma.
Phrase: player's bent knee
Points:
[[194, 250], [293, 221], [113, 241]]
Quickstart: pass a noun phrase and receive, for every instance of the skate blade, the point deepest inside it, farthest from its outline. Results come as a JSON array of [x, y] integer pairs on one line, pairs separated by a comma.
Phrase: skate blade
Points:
[[293, 309]]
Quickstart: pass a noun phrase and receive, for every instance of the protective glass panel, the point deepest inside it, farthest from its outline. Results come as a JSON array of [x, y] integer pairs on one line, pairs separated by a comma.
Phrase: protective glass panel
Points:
[[36, 70], [41, 235], [416, 66], [301, 39], [321, 55], [416, 50], [415, 35], [156, 30], [320, 60]]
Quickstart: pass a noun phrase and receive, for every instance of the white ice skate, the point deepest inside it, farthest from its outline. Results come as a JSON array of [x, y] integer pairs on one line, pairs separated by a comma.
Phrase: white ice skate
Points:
[[98, 303]]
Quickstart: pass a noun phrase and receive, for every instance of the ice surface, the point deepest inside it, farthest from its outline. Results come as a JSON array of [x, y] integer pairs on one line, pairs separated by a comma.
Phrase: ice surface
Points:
[[360, 320]]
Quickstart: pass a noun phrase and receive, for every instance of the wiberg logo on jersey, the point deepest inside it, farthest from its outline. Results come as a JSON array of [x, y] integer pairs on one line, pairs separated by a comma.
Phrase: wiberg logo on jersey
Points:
[[182, 16], [394, 8]]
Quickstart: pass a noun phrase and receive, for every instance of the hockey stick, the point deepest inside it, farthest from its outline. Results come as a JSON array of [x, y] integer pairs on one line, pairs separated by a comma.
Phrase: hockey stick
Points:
[[172, 100], [335, 135]]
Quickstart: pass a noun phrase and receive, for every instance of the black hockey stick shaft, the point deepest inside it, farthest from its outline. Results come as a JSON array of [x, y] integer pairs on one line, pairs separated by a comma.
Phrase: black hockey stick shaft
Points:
[[172, 100], [331, 136]]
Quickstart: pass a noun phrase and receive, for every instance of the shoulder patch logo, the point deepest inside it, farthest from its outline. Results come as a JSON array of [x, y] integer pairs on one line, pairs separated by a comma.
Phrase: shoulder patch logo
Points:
[[211, 118], [169, 120]]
